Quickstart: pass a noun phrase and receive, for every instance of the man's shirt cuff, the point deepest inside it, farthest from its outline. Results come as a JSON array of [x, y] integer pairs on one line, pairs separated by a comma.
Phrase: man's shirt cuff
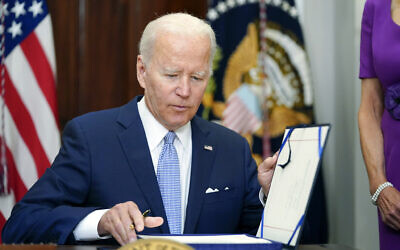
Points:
[[86, 230], [262, 197]]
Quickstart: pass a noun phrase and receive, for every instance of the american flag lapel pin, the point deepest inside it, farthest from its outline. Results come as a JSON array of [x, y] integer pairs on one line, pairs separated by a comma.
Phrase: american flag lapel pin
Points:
[[208, 147]]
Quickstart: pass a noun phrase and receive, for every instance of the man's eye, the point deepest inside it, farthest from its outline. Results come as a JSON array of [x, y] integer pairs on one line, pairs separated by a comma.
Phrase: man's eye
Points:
[[196, 78], [171, 75]]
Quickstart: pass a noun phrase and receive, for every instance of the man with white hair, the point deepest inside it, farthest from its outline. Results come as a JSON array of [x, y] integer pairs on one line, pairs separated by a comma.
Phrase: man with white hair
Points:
[[152, 154]]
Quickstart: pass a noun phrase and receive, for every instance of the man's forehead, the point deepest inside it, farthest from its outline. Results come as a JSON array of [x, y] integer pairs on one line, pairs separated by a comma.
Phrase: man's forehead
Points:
[[171, 35]]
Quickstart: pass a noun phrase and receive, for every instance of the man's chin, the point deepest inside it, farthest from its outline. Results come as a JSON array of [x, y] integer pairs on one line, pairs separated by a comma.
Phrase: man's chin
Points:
[[176, 124]]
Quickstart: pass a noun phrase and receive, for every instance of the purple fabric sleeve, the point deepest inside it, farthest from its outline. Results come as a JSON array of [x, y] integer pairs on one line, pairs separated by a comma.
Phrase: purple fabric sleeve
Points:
[[367, 69]]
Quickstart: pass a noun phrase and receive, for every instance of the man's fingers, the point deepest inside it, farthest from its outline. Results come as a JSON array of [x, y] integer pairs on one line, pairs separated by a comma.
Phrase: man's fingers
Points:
[[136, 218], [113, 227], [119, 239], [122, 221], [121, 229], [265, 172], [269, 163], [153, 221], [131, 235], [125, 219]]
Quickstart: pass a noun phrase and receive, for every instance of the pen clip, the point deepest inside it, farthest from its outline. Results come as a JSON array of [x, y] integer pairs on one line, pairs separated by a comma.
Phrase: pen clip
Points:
[[146, 213]]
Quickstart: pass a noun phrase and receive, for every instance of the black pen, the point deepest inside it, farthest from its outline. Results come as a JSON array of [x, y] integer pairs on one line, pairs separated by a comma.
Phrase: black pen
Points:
[[146, 213]]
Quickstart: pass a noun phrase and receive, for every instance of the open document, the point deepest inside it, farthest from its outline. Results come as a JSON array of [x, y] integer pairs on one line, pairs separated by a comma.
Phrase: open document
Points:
[[291, 186], [207, 242], [210, 239]]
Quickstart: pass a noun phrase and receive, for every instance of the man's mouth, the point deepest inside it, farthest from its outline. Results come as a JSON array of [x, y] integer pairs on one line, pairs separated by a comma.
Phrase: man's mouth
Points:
[[180, 107]]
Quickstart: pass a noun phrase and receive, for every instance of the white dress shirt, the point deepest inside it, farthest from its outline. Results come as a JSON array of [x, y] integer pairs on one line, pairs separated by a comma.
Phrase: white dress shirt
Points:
[[155, 133]]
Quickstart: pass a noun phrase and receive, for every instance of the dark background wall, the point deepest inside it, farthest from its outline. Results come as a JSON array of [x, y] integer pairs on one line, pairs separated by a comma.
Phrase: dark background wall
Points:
[[96, 45]]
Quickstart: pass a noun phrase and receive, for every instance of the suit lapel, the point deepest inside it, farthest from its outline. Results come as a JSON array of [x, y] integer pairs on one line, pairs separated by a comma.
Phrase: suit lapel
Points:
[[134, 144], [202, 162]]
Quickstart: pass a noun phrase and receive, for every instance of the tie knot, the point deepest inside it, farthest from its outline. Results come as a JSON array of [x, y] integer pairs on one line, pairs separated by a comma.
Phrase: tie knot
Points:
[[170, 137]]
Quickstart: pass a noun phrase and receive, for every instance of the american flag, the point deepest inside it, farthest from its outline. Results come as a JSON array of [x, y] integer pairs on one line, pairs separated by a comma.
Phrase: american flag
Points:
[[28, 107], [242, 113]]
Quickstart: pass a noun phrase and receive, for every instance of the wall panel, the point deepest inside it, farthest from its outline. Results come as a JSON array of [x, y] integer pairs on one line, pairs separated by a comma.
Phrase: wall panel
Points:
[[96, 47]]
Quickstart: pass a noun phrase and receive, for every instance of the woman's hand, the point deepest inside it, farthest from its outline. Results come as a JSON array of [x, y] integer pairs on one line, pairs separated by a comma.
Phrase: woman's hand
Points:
[[389, 205]]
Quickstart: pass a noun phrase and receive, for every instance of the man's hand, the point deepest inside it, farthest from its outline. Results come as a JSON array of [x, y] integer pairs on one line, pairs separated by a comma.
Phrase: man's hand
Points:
[[389, 205], [117, 222], [266, 171]]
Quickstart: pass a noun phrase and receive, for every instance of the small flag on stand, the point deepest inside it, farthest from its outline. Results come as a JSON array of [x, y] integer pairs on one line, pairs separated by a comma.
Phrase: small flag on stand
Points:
[[261, 80]]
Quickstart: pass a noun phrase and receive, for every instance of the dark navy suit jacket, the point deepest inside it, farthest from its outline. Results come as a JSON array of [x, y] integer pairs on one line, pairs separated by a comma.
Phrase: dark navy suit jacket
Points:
[[105, 160]]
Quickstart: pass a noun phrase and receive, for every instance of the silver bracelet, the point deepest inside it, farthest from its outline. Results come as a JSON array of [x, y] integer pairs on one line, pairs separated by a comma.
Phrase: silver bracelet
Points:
[[381, 187]]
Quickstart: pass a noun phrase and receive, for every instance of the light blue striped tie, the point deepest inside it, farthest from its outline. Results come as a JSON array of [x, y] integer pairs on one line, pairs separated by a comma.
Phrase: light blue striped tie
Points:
[[168, 176]]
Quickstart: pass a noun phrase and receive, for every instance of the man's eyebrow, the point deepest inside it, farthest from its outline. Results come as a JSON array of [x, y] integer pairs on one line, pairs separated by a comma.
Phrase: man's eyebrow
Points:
[[201, 73], [174, 71], [170, 70]]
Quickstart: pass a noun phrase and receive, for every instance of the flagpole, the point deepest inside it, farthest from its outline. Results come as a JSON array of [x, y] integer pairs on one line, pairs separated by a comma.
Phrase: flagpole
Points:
[[3, 172], [264, 77]]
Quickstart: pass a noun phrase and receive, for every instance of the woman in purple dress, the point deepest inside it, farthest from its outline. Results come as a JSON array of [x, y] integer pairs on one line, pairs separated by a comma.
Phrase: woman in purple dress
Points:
[[379, 113]]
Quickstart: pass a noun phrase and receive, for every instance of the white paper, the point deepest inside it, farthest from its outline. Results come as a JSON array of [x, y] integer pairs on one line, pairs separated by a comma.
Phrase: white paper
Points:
[[210, 239], [291, 185]]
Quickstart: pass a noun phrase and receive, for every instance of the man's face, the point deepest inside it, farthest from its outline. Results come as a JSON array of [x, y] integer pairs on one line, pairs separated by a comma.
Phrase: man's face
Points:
[[175, 78]]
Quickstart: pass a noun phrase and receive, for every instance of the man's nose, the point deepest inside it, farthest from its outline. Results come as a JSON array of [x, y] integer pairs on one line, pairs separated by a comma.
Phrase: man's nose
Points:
[[183, 88]]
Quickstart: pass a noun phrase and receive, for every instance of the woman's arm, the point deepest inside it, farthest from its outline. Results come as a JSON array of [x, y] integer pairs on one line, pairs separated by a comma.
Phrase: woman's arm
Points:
[[369, 124], [371, 137]]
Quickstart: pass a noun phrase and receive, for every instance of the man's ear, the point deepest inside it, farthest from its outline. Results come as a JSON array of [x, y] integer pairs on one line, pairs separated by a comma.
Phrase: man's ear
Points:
[[141, 71]]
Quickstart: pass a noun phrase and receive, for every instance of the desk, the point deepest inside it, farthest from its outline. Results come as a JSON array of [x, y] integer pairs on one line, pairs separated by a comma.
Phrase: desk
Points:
[[55, 247]]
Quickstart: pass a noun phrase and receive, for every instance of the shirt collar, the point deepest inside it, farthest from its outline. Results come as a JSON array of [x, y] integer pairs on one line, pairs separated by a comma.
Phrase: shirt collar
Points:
[[155, 131]]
